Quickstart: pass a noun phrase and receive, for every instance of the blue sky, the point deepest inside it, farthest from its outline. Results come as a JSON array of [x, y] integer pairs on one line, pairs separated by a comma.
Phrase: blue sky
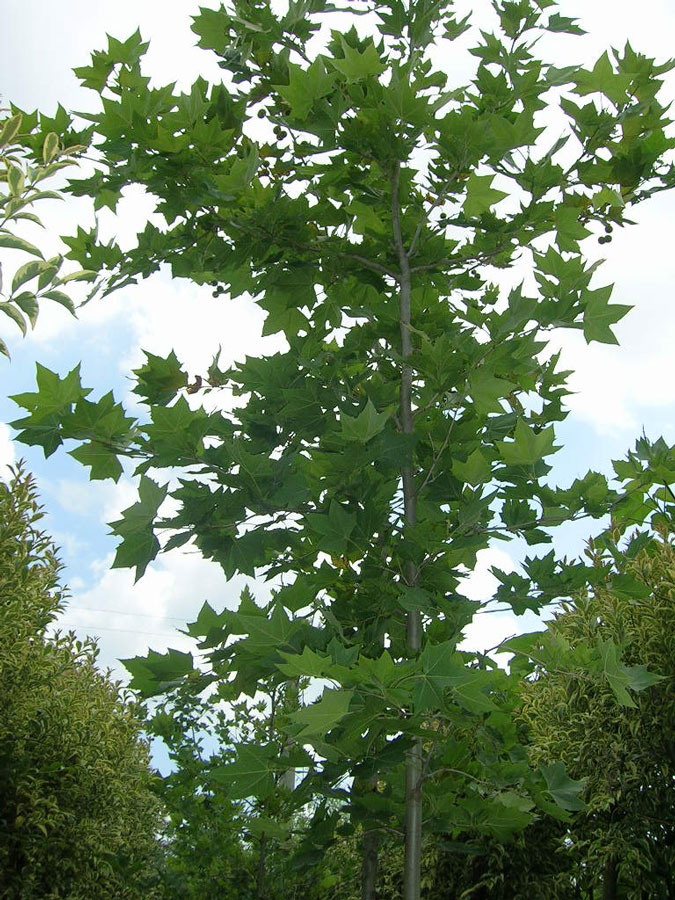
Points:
[[619, 390]]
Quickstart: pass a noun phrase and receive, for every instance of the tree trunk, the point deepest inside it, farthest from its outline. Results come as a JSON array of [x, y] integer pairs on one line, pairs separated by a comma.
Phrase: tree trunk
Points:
[[369, 864], [413, 776], [291, 703], [610, 880], [260, 884]]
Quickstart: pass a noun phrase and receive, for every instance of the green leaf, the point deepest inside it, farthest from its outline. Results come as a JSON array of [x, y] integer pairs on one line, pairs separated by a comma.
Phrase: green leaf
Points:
[[472, 696], [251, 774], [307, 664], [414, 599], [563, 789], [559, 23], [263, 825], [487, 390], [50, 147], [382, 670], [341, 655], [306, 86], [49, 272], [48, 407], [61, 298], [13, 242], [569, 229], [27, 302], [442, 668], [266, 634], [599, 315], [28, 271], [476, 469], [355, 65], [621, 677], [159, 379], [507, 814], [608, 196], [209, 625], [316, 720], [640, 678], [333, 529], [102, 460], [603, 79], [82, 275], [366, 425], [139, 545], [14, 314], [10, 128], [15, 180], [480, 195], [157, 672], [528, 446]]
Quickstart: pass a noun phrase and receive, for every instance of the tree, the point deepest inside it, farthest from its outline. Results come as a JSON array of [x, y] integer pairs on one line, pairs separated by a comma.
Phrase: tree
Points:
[[78, 815], [218, 843], [369, 207], [624, 841], [38, 278]]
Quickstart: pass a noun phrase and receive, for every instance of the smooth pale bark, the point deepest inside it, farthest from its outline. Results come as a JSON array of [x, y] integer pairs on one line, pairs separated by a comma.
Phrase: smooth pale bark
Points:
[[369, 864], [413, 775]]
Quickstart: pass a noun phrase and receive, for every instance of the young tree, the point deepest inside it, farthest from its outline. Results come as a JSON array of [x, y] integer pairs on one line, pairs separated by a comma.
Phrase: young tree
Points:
[[78, 815], [368, 206], [217, 840]]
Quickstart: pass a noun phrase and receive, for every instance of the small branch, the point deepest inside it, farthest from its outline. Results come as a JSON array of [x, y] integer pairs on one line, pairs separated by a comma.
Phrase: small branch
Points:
[[425, 764], [446, 440], [437, 456], [326, 251], [459, 264], [440, 197], [368, 264]]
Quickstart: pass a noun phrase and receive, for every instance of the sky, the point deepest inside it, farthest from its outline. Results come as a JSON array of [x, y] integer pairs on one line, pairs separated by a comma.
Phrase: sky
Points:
[[619, 391]]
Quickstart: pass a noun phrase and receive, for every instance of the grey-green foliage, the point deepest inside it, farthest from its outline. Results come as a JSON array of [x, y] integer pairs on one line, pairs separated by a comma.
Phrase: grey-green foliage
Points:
[[31, 155], [626, 751], [78, 815]]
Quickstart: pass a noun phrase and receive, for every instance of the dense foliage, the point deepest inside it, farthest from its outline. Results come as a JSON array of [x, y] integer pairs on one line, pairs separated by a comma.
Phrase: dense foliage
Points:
[[373, 209], [625, 838], [78, 815], [620, 839]]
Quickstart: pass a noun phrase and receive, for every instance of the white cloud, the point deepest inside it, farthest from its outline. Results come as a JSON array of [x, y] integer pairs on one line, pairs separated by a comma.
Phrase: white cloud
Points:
[[481, 584], [176, 315], [613, 385], [103, 500], [128, 619], [492, 626], [69, 545]]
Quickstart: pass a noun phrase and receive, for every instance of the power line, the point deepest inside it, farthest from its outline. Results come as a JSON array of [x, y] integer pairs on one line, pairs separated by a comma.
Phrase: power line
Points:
[[119, 612], [111, 628]]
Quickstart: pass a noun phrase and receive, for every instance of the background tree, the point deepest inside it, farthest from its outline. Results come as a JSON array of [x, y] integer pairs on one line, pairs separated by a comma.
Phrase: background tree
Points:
[[406, 422], [204, 855], [78, 816], [624, 842], [21, 187], [219, 841]]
